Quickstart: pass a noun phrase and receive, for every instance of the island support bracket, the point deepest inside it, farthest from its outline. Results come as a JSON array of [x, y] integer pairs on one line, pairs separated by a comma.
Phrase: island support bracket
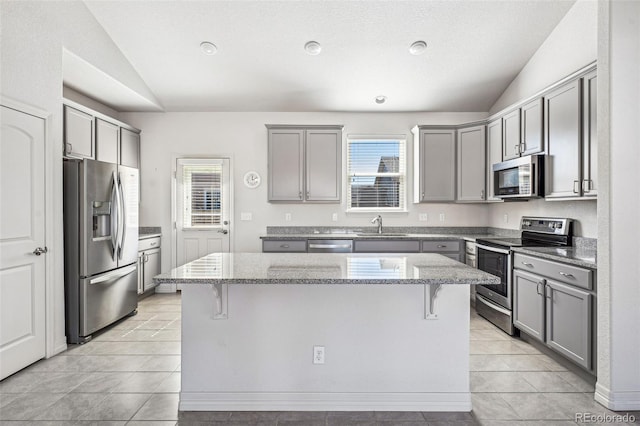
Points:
[[219, 301], [430, 294]]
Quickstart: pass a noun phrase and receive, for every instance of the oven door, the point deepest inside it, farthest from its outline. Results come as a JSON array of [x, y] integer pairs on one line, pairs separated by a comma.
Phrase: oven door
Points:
[[497, 262]]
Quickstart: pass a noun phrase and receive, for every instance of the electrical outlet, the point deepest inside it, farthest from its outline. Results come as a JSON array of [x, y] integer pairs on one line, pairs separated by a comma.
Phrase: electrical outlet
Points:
[[441, 217], [423, 217], [318, 354], [287, 217], [334, 217], [246, 216], [506, 218]]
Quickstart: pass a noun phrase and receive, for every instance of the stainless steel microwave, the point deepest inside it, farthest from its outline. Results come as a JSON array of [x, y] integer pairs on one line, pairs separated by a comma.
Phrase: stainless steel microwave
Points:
[[519, 178]]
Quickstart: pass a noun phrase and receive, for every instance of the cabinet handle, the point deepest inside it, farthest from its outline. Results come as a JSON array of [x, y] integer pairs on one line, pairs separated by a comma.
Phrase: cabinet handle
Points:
[[564, 274], [587, 185], [69, 147], [576, 183], [523, 147], [482, 194], [423, 195], [441, 246], [517, 148], [300, 195], [530, 265], [307, 194], [153, 244], [540, 292], [548, 292], [284, 245]]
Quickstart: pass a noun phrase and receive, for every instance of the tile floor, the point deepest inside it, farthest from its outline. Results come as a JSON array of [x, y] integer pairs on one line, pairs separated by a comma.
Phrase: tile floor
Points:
[[130, 374]]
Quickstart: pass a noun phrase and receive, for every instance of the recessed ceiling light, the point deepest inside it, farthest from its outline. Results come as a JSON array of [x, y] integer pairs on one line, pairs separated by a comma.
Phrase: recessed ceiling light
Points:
[[418, 47], [381, 99], [208, 48], [313, 48]]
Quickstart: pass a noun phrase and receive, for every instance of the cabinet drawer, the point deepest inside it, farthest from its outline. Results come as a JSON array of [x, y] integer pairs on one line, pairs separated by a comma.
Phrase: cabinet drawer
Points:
[[386, 246], [440, 246], [148, 243], [281, 246], [470, 247], [568, 274]]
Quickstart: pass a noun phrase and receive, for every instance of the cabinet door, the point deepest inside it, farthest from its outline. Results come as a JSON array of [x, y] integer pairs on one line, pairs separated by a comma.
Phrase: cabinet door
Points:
[[569, 317], [107, 141], [129, 148], [386, 246], [528, 304], [494, 154], [511, 135], [531, 116], [286, 159], [151, 267], [78, 134], [471, 164], [437, 165], [590, 135], [562, 134], [323, 150]]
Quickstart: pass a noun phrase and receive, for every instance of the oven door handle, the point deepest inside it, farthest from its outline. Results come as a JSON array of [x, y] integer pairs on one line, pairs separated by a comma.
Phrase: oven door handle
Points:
[[492, 305], [493, 249]]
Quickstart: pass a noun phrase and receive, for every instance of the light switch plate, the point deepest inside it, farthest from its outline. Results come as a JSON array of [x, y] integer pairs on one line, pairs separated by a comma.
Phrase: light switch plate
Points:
[[287, 217], [246, 216], [441, 217], [334, 217]]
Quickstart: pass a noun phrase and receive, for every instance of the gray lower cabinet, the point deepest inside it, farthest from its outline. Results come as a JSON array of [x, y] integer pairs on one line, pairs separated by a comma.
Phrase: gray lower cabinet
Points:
[[435, 164], [453, 249], [386, 246], [284, 246], [78, 134], [305, 163], [148, 263], [471, 164], [554, 304]]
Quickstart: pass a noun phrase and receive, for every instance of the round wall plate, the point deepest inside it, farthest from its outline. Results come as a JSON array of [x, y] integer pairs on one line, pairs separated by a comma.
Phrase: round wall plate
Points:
[[252, 179]]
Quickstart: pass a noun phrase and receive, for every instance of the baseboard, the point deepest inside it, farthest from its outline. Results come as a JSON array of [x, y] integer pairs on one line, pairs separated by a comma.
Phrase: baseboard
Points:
[[617, 401], [282, 401]]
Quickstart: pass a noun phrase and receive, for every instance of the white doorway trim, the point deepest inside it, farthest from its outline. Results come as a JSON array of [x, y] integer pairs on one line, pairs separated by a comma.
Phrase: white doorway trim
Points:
[[55, 338]]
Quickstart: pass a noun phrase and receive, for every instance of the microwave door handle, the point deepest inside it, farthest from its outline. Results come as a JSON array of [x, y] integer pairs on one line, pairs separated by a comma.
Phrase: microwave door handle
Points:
[[114, 216]]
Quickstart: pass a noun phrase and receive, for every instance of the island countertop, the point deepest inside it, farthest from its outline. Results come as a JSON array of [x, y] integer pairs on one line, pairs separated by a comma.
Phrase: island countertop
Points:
[[325, 268]]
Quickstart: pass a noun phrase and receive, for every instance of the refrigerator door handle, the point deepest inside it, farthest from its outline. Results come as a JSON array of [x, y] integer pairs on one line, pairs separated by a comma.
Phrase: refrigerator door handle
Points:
[[114, 217], [121, 218], [110, 276]]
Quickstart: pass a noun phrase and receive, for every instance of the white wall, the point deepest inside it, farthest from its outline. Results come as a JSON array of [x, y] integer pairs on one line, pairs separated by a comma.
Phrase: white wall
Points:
[[569, 47], [33, 35], [243, 136], [618, 384]]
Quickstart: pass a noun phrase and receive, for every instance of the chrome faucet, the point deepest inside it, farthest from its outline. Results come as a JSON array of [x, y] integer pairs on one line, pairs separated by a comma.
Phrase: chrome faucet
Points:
[[379, 220]]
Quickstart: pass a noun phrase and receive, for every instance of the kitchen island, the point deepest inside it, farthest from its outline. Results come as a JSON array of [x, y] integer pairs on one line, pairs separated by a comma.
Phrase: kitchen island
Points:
[[394, 330]]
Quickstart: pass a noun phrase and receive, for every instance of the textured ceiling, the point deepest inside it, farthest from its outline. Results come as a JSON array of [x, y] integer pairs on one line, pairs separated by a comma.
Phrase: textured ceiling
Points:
[[475, 49]]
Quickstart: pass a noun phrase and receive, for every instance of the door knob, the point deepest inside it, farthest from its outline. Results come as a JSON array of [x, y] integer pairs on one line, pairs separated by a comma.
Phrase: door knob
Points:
[[223, 231], [39, 250]]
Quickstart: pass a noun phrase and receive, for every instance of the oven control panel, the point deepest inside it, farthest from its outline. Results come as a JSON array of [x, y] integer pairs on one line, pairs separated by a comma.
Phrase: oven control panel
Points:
[[546, 225]]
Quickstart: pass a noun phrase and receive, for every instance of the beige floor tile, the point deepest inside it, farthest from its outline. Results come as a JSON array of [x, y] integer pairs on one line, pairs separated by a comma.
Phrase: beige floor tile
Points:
[[141, 382], [28, 405], [117, 406], [490, 406], [170, 384], [578, 382], [159, 407], [500, 381], [547, 381], [536, 406], [71, 406], [101, 382], [161, 363], [483, 334]]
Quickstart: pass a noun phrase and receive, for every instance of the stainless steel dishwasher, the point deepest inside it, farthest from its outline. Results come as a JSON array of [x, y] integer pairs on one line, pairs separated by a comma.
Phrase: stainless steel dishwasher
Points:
[[330, 246]]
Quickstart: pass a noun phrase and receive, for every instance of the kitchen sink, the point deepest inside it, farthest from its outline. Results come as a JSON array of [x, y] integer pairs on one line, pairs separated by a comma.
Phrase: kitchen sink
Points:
[[384, 234]]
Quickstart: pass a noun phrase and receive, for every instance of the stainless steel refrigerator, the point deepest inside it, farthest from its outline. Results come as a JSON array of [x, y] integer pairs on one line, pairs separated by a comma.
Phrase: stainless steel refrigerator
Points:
[[101, 245]]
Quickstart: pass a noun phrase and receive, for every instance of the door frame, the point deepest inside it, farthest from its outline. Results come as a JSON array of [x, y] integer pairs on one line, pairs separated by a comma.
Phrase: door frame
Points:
[[55, 337], [174, 192]]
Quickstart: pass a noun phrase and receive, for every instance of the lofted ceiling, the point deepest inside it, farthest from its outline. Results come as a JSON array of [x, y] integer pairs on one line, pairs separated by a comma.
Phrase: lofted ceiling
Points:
[[475, 49]]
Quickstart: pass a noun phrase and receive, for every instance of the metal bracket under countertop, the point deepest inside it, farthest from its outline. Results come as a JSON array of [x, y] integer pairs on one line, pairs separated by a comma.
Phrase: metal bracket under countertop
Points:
[[430, 295], [219, 301]]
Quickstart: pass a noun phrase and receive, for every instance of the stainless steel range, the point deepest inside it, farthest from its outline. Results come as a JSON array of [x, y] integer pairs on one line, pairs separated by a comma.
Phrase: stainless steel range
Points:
[[494, 302]]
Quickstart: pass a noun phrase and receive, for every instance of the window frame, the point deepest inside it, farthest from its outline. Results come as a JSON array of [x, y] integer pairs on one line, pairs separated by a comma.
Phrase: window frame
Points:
[[402, 173]]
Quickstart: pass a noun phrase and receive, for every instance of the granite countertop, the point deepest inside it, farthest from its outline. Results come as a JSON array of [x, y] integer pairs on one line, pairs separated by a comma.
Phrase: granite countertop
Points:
[[149, 232], [578, 256], [390, 236], [325, 268]]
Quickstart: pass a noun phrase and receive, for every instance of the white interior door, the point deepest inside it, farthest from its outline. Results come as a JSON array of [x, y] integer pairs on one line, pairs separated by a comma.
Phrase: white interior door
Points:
[[22, 232], [203, 196]]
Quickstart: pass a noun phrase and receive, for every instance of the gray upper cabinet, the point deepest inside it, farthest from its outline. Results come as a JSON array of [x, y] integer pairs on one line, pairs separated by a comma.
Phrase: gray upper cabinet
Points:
[[78, 133], [107, 141], [323, 152], [494, 154], [435, 156], [562, 134], [511, 135], [305, 163], [471, 164], [129, 148], [528, 304], [522, 130], [532, 141], [590, 135]]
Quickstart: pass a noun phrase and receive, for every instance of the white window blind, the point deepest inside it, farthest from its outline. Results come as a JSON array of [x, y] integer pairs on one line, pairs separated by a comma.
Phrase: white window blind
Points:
[[376, 173], [202, 195]]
